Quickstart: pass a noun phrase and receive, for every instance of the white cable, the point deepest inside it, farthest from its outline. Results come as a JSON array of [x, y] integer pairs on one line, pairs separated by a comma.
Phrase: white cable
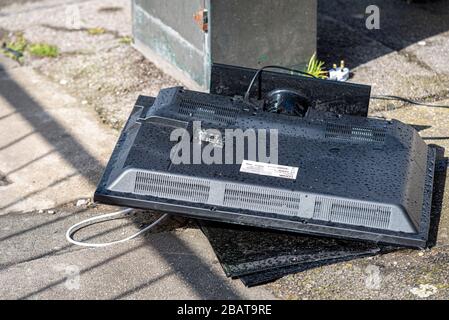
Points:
[[102, 218]]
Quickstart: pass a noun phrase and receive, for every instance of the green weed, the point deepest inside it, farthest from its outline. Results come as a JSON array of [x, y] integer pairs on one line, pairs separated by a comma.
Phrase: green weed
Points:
[[315, 68], [43, 50]]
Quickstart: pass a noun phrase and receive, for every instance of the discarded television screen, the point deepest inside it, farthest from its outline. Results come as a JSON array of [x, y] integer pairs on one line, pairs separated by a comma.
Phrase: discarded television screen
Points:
[[224, 159]]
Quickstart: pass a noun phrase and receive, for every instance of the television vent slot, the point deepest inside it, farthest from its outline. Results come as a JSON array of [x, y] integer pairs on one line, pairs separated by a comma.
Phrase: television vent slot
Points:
[[262, 199], [208, 111], [352, 212], [172, 187], [354, 133]]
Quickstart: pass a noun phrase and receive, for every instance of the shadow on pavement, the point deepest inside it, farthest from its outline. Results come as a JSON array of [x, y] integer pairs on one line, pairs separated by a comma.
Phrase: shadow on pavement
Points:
[[402, 25], [88, 166], [342, 32]]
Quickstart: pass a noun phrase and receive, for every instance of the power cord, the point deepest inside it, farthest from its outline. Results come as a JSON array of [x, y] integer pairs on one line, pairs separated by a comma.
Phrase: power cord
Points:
[[107, 217], [418, 103], [379, 97]]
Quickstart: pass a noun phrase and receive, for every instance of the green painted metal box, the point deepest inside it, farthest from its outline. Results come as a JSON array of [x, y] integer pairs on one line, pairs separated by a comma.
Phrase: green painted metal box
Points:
[[185, 37]]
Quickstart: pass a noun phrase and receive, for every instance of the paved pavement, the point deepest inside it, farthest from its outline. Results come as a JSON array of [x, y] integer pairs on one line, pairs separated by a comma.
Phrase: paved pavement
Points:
[[53, 149], [52, 152], [37, 262], [406, 57]]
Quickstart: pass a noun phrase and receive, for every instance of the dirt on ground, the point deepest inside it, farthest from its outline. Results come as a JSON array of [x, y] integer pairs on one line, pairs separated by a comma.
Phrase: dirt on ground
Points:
[[105, 83], [96, 61], [98, 65]]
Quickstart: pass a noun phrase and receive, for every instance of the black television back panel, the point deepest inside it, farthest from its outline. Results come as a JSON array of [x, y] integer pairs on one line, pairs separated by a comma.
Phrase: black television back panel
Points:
[[324, 95], [338, 175]]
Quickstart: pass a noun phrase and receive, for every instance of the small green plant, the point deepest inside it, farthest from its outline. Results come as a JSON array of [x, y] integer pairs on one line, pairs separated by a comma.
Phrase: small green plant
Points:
[[18, 43], [15, 47], [315, 68], [126, 40], [43, 50], [96, 31]]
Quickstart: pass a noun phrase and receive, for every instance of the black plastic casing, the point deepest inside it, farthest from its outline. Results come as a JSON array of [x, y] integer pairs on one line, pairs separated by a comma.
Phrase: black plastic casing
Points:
[[358, 178]]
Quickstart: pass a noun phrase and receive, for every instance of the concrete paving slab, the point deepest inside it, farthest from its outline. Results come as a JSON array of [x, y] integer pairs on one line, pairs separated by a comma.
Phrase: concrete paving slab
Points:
[[52, 149], [37, 262], [406, 274], [433, 52]]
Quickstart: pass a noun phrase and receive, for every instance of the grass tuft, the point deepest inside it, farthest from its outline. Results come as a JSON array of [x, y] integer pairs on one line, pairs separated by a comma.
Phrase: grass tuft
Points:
[[96, 31], [15, 47], [43, 50], [18, 43], [315, 68], [126, 40]]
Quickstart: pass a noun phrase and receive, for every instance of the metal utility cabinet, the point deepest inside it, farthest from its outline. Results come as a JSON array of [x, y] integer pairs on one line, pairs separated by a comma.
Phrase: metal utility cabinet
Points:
[[185, 38]]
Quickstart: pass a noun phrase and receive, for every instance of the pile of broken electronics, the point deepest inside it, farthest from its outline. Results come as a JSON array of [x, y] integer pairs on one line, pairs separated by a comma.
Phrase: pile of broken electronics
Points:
[[335, 184]]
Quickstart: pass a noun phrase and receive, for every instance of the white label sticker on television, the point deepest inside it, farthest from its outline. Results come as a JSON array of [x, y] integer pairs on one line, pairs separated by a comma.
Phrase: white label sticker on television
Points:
[[268, 169]]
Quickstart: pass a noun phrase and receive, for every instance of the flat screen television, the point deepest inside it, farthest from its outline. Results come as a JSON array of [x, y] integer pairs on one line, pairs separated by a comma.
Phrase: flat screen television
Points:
[[320, 174]]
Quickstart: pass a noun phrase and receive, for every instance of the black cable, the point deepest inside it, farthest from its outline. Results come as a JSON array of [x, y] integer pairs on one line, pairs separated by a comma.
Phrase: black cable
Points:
[[384, 97], [388, 97], [380, 97], [259, 72]]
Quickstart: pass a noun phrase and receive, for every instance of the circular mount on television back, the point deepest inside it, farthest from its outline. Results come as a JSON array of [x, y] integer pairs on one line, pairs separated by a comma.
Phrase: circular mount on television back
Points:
[[286, 101]]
